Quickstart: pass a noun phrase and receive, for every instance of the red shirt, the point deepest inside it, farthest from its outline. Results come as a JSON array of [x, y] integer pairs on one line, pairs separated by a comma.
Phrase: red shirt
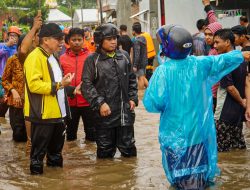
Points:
[[72, 63]]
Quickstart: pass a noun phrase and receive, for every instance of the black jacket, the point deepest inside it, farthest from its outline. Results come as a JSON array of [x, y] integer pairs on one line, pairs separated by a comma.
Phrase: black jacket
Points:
[[110, 80]]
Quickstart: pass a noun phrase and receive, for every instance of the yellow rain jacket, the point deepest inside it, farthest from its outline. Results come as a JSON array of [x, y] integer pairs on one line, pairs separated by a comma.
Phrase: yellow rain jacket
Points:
[[41, 104]]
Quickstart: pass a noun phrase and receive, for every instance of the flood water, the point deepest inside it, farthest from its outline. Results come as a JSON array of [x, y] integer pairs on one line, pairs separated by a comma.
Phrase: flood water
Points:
[[83, 171]]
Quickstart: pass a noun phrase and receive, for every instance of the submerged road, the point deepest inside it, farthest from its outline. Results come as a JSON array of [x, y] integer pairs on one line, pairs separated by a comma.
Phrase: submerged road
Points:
[[83, 171]]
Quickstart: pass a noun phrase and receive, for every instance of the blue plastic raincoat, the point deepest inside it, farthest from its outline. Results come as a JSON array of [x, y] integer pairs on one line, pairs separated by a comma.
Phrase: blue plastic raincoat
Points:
[[181, 91]]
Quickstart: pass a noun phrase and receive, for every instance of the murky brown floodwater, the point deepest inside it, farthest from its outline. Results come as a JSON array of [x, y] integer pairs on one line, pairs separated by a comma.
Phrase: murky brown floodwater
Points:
[[83, 171]]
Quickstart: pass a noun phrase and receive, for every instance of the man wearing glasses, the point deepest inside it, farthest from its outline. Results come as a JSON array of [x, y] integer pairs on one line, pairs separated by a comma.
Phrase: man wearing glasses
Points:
[[45, 99]]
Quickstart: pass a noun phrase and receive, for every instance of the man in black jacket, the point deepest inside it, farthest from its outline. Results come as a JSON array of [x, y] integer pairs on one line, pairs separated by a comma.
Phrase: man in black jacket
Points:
[[110, 86]]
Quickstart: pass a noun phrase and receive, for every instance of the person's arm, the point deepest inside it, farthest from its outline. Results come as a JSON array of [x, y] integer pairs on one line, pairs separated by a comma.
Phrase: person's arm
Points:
[[88, 89], [131, 54], [7, 76], [210, 12], [228, 84], [28, 39], [136, 54], [215, 67], [247, 93], [236, 95], [34, 75], [155, 98], [131, 51], [133, 89]]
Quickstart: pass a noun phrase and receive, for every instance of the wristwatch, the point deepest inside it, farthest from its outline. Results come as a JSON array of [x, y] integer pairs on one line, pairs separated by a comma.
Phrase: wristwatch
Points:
[[59, 86]]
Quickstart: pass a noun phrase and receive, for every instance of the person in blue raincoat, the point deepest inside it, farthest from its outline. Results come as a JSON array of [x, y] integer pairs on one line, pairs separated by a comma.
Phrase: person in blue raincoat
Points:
[[180, 89]]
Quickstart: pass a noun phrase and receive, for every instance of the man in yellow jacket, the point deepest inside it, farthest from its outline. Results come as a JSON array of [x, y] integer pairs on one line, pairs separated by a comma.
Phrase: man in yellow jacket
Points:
[[45, 99]]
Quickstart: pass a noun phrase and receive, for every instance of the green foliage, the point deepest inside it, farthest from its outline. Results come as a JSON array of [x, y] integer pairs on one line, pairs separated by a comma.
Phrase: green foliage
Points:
[[67, 6], [2, 5], [67, 10], [25, 28], [77, 3], [24, 15], [23, 3]]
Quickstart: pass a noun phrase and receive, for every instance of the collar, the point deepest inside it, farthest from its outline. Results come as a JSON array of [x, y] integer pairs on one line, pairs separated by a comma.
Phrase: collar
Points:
[[118, 55], [72, 54], [44, 52]]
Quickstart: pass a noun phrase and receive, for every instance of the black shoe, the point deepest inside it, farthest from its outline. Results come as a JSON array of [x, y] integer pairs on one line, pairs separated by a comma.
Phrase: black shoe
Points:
[[130, 152], [36, 169], [55, 163]]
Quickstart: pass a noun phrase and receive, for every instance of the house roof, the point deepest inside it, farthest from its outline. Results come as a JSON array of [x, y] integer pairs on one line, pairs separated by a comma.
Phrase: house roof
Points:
[[57, 16], [89, 15]]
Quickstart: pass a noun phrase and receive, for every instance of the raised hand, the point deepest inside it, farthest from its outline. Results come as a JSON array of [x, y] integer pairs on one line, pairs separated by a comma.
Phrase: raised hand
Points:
[[246, 55], [37, 23], [206, 2], [67, 79], [12, 41]]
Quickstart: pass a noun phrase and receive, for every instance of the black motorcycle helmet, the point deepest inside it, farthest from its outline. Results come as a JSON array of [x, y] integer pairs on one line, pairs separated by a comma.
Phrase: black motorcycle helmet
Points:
[[104, 31], [176, 41]]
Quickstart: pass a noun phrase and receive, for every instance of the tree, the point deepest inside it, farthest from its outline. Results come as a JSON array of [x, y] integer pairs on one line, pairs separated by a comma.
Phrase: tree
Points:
[[68, 6], [25, 15]]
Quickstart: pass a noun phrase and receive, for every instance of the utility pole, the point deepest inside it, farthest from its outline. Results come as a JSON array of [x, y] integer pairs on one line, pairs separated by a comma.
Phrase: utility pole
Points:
[[100, 5], [82, 12], [123, 12]]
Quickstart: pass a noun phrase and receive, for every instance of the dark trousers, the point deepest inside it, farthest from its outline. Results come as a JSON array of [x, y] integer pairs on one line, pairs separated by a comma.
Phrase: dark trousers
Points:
[[150, 68], [190, 159], [72, 124], [3, 109], [191, 182], [46, 139], [17, 124], [108, 140]]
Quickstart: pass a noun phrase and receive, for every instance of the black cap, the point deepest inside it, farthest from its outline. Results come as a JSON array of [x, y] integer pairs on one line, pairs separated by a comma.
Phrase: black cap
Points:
[[50, 30], [240, 30]]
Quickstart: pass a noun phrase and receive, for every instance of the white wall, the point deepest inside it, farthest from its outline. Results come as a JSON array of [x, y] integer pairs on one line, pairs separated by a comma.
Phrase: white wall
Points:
[[184, 12], [145, 5], [229, 22]]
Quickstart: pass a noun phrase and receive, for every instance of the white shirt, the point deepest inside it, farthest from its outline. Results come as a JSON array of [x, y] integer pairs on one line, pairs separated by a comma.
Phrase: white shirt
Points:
[[58, 78]]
